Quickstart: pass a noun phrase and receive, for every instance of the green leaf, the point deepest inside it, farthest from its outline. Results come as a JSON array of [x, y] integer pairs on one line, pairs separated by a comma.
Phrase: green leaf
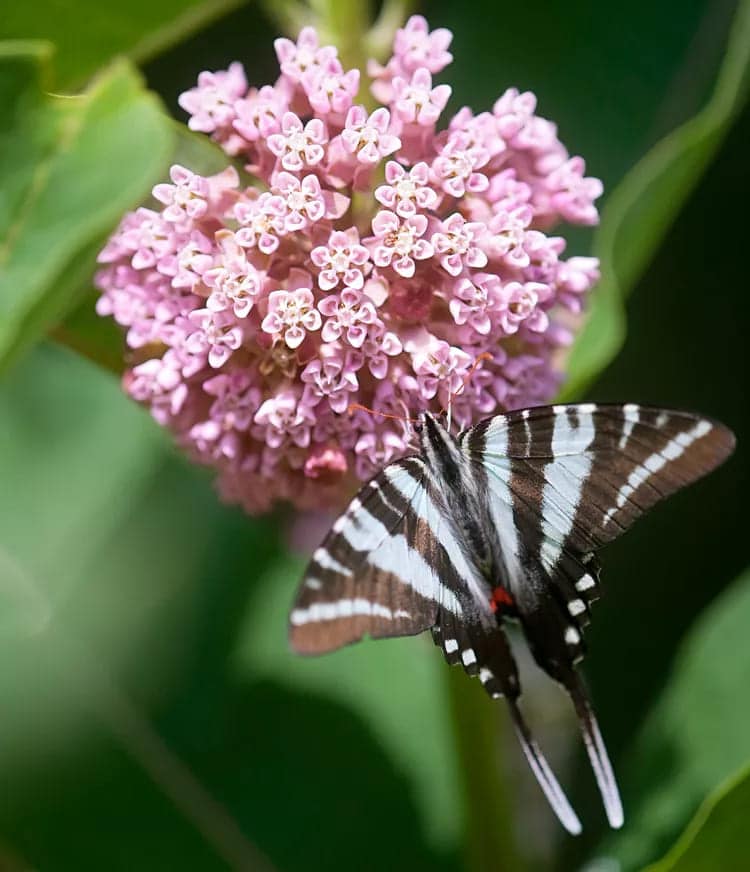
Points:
[[88, 34], [641, 209], [105, 566], [100, 339], [716, 838], [694, 738], [69, 168], [405, 712], [147, 580]]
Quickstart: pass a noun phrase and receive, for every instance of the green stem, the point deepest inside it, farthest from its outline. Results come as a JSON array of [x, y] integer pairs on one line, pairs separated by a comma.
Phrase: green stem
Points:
[[489, 841], [289, 15], [393, 13], [344, 23]]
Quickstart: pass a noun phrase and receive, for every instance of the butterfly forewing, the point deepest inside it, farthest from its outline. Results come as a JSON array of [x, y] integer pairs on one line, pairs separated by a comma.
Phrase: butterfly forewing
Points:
[[586, 472]]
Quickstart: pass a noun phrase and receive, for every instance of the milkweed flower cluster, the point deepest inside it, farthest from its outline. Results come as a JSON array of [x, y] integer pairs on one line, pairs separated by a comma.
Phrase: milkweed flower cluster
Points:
[[369, 256]]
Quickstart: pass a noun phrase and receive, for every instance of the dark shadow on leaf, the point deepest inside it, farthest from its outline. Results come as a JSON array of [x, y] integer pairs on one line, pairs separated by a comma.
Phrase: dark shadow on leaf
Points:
[[311, 785]]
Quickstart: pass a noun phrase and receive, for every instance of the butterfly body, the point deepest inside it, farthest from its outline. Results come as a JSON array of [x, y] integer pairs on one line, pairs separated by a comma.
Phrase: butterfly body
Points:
[[502, 521]]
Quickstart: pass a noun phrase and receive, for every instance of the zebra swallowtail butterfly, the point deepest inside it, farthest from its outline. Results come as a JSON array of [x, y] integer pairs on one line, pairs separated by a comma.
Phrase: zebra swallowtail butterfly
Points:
[[501, 522]]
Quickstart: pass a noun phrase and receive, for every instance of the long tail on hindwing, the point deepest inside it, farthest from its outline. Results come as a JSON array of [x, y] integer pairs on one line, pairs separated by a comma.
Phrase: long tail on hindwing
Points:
[[486, 654], [596, 750], [544, 775]]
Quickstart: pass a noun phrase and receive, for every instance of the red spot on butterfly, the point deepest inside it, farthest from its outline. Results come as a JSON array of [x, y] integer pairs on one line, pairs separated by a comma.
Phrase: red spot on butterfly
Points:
[[500, 599]]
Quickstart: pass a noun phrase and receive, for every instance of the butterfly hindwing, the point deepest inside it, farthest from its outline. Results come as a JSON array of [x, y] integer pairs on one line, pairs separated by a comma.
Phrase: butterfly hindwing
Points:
[[566, 480], [385, 569]]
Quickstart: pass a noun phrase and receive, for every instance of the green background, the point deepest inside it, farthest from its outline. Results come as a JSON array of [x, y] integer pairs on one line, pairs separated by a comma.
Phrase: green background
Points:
[[152, 718]]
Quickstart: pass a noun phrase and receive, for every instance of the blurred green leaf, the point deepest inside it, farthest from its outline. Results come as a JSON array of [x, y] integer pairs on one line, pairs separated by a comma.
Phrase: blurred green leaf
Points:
[[694, 738], [74, 454], [397, 687], [641, 209], [112, 558], [716, 838], [147, 580], [100, 339], [69, 167], [88, 34]]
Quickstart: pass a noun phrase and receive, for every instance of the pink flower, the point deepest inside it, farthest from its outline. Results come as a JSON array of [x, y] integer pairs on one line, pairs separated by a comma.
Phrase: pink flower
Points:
[[217, 335], [478, 135], [256, 316], [304, 202], [416, 101], [284, 419], [476, 301], [236, 283], [349, 315], [513, 112], [330, 90], [262, 221], [259, 114], [304, 56], [380, 345], [237, 400], [377, 448], [520, 305], [456, 246], [441, 370], [414, 46], [298, 146], [211, 104], [508, 236], [573, 195], [158, 382], [398, 243], [367, 138], [407, 191], [291, 314], [332, 377], [186, 199], [191, 261], [340, 260], [324, 461], [454, 170]]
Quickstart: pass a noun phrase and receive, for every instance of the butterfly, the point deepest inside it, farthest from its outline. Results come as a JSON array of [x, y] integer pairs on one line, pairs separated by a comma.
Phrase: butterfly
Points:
[[500, 523]]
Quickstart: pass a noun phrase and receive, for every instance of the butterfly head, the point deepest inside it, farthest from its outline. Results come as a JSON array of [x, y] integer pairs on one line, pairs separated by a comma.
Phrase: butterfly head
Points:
[[436, 441]]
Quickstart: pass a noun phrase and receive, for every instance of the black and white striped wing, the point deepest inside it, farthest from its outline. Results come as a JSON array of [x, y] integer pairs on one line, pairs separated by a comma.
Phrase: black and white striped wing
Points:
[[577, 476], [562, 481], [388, 566]]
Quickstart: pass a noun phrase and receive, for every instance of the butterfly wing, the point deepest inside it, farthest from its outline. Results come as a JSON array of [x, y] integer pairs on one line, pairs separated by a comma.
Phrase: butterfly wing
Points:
[[392, 566], [561, 482], [572, 478], [386, 568]]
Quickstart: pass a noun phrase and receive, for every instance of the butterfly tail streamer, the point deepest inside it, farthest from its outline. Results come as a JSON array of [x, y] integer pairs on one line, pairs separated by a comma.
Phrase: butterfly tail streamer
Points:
[[592, 737], [544, 775]]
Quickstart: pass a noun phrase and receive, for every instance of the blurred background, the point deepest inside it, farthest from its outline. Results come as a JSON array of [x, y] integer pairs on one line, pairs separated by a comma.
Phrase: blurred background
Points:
[[152, 717]]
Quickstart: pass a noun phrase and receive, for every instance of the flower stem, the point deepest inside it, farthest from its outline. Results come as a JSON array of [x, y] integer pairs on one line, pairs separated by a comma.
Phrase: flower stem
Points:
[[392, 15], [289, 15], [344, 23], [489, 842]]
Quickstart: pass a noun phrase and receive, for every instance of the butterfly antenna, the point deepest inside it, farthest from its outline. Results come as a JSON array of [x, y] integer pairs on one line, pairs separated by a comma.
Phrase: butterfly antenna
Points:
[[357, 407], [592, 737], [544, 775]]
